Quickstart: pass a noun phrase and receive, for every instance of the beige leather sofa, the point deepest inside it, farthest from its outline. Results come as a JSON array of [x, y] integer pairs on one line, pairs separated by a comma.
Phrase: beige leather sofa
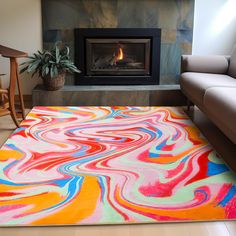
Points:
[[210, 83]]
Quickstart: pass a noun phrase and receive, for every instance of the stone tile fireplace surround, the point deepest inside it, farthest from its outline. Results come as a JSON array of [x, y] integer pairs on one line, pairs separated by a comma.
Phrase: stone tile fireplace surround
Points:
[[174, 17]]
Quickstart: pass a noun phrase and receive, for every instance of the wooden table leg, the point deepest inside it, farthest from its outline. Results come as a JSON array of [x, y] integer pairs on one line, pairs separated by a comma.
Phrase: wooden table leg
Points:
[[20, 93], [11, 91]]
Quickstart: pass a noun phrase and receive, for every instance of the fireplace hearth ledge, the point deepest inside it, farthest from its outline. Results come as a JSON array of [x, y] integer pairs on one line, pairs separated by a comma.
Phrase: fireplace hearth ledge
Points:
[[92, 95]]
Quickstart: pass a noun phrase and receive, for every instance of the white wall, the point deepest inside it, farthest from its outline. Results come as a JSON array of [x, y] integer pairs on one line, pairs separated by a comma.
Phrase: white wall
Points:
[[214, 29], [20, 28]]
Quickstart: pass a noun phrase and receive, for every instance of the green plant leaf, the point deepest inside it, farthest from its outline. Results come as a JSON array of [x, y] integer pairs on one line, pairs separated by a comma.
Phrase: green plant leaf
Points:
[[55, 71], [51, 72], [23, 69], [57, 53]]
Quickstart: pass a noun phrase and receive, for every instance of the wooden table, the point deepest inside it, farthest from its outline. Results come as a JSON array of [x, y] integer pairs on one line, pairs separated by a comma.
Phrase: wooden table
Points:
[[13, 54]]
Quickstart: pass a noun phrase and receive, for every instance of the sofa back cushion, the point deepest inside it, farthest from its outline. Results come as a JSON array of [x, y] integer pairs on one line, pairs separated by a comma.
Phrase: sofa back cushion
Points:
[[204, 64], [232, 64]]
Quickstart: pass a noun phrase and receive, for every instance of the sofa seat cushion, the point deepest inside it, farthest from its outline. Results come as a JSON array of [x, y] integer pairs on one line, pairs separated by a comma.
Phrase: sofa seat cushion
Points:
[[195, 84], [220, 106], [232, 64]]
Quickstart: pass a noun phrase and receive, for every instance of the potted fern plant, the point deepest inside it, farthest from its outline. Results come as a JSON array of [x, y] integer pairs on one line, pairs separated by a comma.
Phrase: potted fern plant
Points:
[[51, 65]]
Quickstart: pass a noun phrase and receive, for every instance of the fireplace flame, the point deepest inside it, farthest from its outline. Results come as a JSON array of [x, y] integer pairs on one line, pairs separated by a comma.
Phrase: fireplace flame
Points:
[[120, 54]]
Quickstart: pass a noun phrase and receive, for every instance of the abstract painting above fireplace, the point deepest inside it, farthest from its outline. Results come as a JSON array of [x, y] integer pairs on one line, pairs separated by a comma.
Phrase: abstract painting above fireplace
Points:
[[117, 56]]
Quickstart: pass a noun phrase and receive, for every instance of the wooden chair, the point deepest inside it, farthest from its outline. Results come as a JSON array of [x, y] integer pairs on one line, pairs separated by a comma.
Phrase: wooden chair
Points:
[[7, 96], [3, 99]]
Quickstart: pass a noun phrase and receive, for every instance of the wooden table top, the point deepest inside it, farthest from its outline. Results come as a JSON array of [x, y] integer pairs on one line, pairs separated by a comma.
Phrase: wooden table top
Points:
[[10, 52]]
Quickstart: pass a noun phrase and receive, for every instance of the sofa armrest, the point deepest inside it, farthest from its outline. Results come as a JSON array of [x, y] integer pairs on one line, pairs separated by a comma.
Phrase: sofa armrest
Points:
[[204, 64]]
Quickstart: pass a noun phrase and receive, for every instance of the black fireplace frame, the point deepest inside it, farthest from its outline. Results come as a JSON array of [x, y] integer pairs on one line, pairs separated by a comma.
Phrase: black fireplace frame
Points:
[[80, 50]]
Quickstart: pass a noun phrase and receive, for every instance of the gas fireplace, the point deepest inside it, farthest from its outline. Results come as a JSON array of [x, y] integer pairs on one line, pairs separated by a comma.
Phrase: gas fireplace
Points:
[[117, 56]]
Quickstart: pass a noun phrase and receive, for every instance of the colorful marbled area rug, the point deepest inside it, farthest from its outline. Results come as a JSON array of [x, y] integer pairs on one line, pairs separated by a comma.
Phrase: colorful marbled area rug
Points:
[[111, 165]]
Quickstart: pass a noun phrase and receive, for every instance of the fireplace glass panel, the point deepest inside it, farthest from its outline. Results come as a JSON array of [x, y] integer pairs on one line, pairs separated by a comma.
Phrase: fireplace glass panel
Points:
[[118, 56]]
